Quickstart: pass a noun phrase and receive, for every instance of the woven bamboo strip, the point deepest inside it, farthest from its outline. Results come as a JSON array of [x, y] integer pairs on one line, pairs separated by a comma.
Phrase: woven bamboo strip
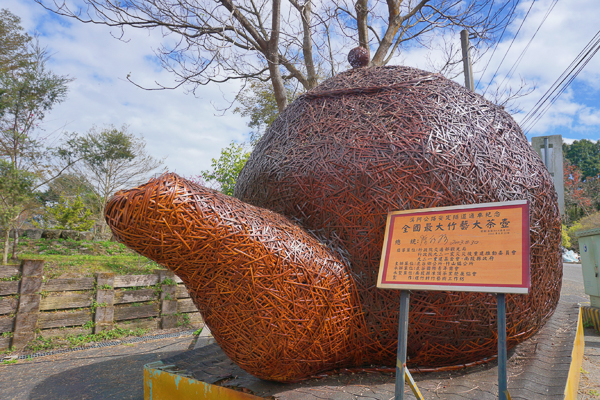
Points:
[[291, 293]]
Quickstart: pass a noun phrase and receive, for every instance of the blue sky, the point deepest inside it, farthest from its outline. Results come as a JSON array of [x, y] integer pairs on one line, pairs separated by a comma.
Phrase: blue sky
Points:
[[189, 130]]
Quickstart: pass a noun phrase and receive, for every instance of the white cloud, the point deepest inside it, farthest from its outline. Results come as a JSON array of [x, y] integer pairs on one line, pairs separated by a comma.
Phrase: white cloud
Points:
[[564, 34], [589, 116], [570, 141]]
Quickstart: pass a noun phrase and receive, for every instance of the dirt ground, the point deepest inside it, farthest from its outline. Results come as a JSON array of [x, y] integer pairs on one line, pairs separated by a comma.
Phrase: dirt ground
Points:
[[589, 383]]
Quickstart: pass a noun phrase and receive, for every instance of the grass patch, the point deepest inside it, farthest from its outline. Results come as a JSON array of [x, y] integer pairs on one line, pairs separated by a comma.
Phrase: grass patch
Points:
[[41, 343], [112, 334], [66, 258], [70, 341], [183, 320], [11, 278], [588, 323], [79, 266], [8, 351]]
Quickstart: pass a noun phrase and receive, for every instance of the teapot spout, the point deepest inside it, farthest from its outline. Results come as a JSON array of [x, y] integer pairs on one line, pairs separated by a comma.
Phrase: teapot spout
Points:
[[279, 303]]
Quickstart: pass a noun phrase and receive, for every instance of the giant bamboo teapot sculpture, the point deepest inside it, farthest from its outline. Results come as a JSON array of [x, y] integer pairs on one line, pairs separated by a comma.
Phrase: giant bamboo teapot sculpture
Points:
[[284, 273]]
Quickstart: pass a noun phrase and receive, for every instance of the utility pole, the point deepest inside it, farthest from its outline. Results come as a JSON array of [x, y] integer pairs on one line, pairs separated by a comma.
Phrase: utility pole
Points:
[[468, 69]]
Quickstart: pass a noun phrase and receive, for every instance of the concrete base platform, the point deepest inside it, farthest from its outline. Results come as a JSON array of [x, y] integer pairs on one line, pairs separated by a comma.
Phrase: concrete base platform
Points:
[[537, 369]]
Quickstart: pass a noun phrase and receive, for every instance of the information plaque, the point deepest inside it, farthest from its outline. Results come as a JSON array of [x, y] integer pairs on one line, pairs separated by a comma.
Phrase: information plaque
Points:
[[469, 248]]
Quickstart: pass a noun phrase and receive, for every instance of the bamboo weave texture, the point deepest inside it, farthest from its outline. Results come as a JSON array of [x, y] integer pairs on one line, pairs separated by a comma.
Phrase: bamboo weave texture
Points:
[[285, 274]]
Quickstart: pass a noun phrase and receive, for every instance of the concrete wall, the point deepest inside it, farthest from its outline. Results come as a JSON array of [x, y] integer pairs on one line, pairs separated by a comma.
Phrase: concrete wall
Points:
[[554, 163]]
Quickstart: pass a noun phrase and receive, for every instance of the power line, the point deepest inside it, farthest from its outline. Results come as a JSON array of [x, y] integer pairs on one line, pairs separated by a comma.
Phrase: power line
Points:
[[520, 58], [561, 84], [510, 46], [562, 78], [512, 11], [539, 115]]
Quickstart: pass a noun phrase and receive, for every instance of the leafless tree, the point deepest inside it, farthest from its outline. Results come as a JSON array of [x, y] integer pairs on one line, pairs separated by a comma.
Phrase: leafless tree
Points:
[[221, 40], [507, 95], [113, 159]]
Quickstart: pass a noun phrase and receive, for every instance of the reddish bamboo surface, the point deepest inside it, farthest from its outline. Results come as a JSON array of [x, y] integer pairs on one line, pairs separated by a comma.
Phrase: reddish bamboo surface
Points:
[[279, 303], [374, 140], [285, 305]]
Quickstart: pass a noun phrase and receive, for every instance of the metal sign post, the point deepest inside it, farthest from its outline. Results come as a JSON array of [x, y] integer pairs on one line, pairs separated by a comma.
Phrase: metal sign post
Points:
[[402, 342], [402, 372], [502, 377]]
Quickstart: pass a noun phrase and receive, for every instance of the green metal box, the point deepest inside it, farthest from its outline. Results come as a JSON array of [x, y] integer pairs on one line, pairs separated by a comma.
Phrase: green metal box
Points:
[[589, 248]]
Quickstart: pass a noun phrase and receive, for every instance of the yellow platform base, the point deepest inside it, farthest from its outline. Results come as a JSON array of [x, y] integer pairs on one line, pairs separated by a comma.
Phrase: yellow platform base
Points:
[[161, 382], [165, 382]]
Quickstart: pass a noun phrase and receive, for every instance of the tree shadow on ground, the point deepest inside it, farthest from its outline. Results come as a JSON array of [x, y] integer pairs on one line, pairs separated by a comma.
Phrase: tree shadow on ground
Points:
[[118, 378]]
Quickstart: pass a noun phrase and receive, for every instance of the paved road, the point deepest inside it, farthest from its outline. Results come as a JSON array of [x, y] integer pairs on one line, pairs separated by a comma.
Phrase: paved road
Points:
[[573, 282], [106, 373]]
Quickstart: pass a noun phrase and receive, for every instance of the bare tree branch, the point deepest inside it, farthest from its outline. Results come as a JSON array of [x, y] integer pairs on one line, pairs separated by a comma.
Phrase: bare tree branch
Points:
[[224, 40]]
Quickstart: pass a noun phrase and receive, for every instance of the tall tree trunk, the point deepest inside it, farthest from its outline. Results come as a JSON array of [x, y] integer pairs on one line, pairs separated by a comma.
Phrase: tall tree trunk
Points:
[[6, 244], [394, 22], [277, 82], [311, 73], [273, 58], [15, 244], [362, 12]]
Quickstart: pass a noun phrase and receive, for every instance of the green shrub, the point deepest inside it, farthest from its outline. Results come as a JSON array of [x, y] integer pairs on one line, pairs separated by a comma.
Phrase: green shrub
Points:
[[566, 239], [586, 223], [69, 213]]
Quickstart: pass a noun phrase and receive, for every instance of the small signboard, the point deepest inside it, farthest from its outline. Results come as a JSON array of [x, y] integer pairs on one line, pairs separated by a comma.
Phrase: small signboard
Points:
[[470, 248]]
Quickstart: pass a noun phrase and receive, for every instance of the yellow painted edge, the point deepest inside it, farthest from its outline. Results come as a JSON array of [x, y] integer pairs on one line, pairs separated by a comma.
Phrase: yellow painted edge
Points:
[[413, 385], [576, 360], [164, 385]]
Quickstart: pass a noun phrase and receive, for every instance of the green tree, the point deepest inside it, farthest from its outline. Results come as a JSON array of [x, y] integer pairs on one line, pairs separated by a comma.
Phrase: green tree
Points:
[[258, 102], [28, 91], [70, 213], [113, 159], [12, 42], [585, 155], [69, 184], [27, 94], [578, 203], [16, 192], [592, 190], [227, 167], [566, 239]]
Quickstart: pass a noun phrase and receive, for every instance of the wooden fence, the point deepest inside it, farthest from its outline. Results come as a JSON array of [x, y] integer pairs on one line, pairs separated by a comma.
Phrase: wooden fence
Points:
[[31, 306]]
